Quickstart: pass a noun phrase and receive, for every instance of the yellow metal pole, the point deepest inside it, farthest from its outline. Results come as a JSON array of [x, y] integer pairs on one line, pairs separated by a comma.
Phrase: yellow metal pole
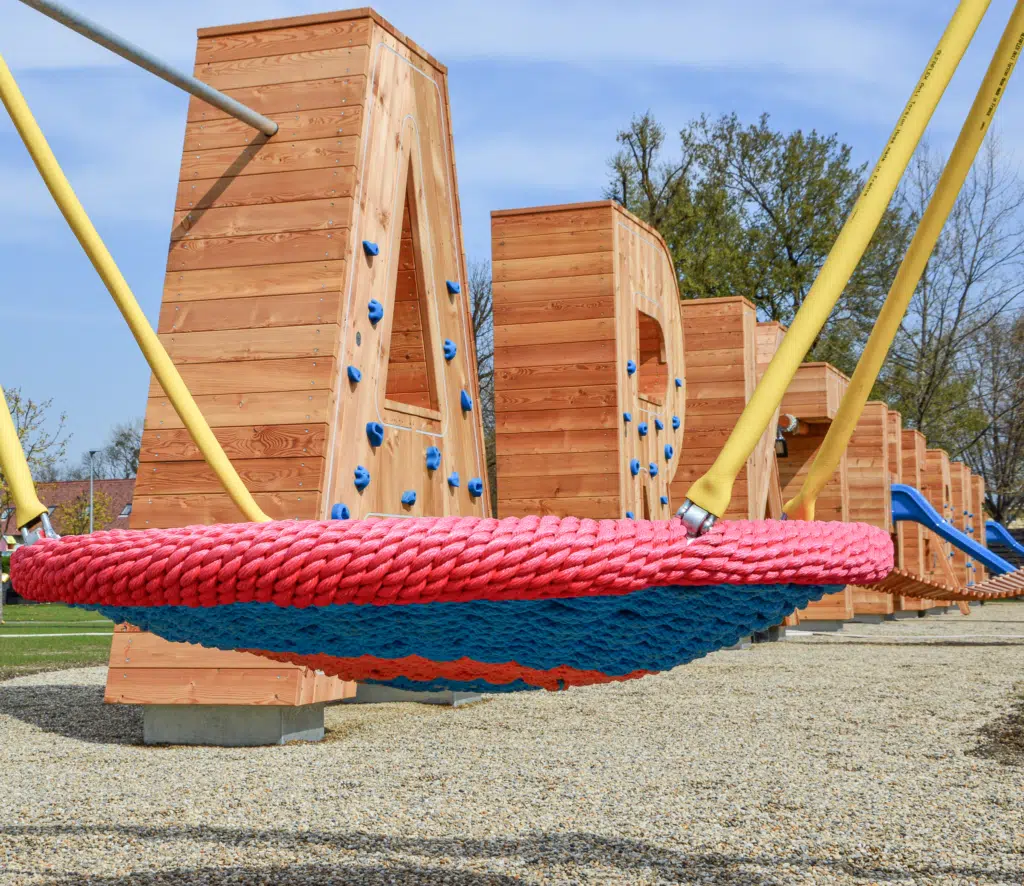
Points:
[[161, 364], [928, 230], [16, 471], [708, 498]]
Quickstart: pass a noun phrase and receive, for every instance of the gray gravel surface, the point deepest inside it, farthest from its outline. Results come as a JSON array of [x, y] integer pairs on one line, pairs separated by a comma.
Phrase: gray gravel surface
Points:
[[843, 759]]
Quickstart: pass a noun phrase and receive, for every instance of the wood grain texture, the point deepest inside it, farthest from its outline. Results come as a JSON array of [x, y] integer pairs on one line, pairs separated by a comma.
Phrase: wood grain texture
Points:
[[579, 292]]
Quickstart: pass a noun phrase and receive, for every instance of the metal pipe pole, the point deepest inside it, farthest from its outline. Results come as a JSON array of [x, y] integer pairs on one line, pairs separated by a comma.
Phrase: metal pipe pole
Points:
[[108, 39], [92, 509]]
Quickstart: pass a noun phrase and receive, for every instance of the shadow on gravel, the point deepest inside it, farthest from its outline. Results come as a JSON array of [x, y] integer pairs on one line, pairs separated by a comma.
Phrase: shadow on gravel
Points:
[[73, 711], [1003, 738], [580, 855]]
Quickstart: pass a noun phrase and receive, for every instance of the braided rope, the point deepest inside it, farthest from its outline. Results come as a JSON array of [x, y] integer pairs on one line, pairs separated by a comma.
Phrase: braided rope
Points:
[[446, 559], [464, 670]]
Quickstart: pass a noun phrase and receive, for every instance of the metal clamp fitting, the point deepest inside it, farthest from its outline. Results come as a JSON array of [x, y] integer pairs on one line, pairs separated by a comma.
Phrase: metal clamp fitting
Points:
[[696, 520]]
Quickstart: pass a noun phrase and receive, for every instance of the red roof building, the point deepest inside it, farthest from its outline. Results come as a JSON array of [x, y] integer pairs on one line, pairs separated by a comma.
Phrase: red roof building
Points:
[[56, 495]]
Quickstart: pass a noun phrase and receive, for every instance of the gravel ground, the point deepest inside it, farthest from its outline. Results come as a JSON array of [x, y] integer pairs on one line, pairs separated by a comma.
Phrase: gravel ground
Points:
[[847, 759]]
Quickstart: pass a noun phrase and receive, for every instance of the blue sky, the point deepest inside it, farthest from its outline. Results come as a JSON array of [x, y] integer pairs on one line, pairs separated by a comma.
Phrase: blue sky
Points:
[[538, 92]]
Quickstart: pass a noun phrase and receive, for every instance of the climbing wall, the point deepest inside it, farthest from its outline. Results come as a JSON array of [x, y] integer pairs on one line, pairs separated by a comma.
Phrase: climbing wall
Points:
[[978, 520], [813, 398], [722, 346], [913, 558], [868, 480], [960, 495], [315, 300], [589, 365], [936, 487]]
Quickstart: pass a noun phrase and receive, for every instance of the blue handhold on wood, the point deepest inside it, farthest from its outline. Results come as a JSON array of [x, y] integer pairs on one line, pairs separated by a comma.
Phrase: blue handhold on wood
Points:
[[370, 248], [339, 512], [376, 311], [453, 479], [669, 451], [634, 466], [627, 416], [652, 469], [354, 375], [659, 424], [664, 499], [453, 287], [450, 350], [679, 382], [630, 515], [641, 429], [408, 497], [362, 477], [675, 422], [375, 433], [630, 367], [476, 487], [466, 401], [433, 458]]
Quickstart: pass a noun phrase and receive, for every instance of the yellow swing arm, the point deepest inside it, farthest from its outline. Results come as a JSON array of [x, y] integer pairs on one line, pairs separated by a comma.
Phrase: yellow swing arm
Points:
[[912, 267], [708, 498], [152, 348]]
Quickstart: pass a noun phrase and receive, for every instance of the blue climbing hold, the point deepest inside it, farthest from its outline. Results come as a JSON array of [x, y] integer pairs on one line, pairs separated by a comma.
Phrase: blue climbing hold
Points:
[[433, 458], [669, 451], [370, 248], [453, 479], [449, 349], [354, 375], [476, 487], [664, 499], [679, 382], [466, 401], [376, 311], [659, 424], [642, 429], [630, 515], [375, 433], [675, 422], [362, 477], [652, 468], [453, 287], [408, 497], [339, 512], [630, 367], [627, 416], [634, 466]]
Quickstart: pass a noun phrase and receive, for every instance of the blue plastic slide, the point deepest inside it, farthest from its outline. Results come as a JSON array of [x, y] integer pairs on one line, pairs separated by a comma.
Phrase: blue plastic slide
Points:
[[998, 536], [909, 504]]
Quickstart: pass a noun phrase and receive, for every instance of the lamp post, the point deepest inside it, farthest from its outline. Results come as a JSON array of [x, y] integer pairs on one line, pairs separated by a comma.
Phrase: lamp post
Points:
[[92, 452]]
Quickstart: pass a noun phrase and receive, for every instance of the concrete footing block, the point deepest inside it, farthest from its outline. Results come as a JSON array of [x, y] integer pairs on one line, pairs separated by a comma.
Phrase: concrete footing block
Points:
[[739, 645], [867, 619], [826, 625], [902, 614], [371, 693], [231, 726], [772, 635]]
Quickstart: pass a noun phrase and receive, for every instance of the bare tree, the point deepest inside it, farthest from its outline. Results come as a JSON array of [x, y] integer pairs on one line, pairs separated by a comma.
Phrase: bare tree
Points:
[[973, 278], [481, 301], [996, 452]]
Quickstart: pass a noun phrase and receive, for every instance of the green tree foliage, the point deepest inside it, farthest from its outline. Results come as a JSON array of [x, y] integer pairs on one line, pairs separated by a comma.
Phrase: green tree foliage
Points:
[[749, 210], [72, 518]]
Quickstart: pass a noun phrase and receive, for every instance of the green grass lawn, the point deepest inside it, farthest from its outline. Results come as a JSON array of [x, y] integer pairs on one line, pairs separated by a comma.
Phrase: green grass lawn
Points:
[[26, 655]]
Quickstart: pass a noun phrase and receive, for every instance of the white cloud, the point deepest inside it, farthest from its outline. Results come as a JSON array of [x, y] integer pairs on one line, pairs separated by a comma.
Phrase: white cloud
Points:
[[807, 36]]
